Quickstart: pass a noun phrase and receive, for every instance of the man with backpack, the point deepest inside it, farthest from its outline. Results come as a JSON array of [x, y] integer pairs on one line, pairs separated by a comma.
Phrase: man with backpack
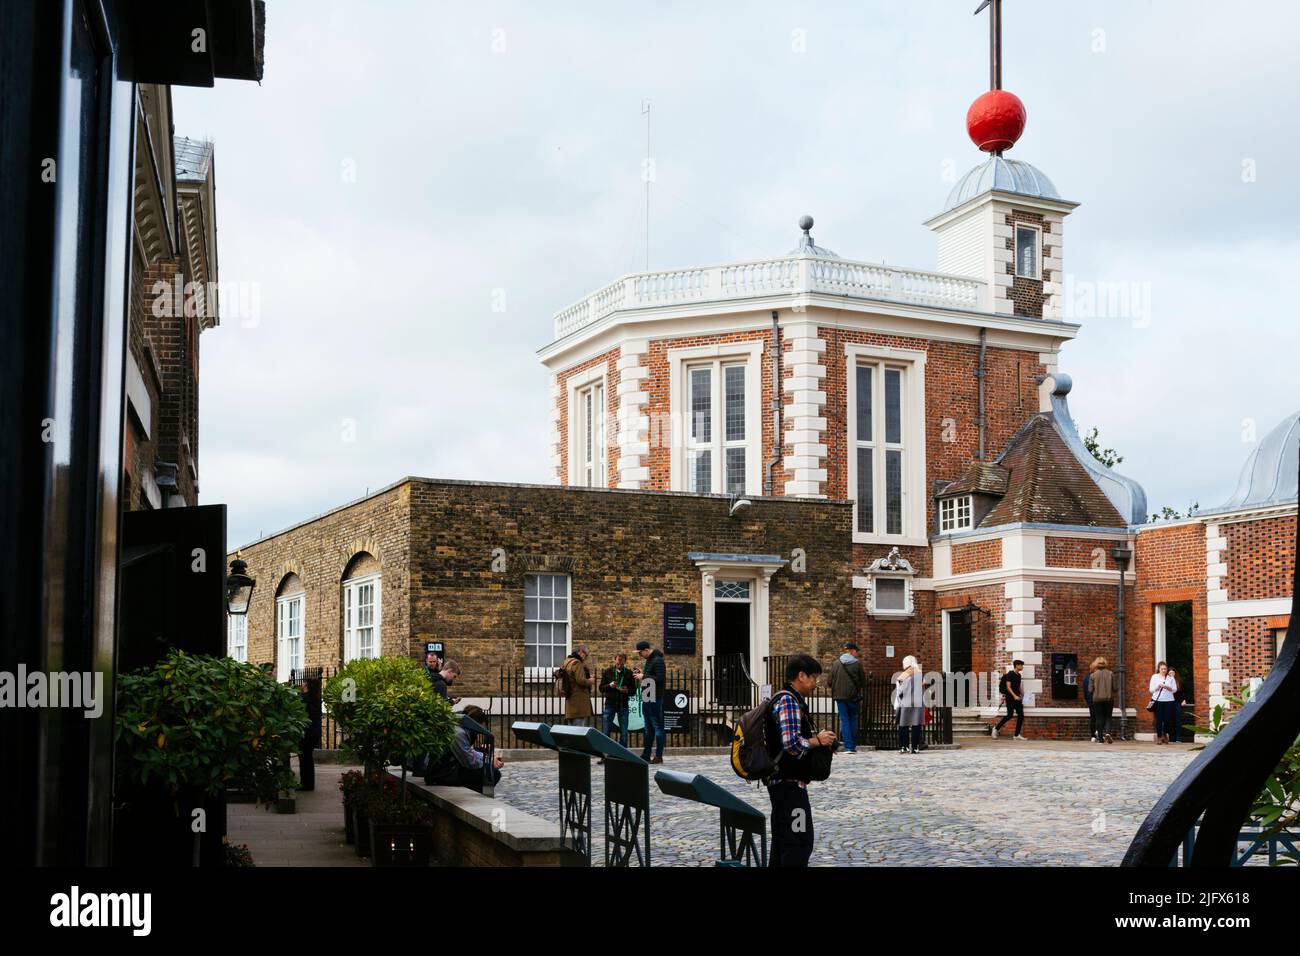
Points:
[[1009, 686], [652, 678], [846, 681], [791, 743]]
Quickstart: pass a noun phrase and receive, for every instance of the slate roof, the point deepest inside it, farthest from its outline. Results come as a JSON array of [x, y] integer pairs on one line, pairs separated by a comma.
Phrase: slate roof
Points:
[[1047, 484], [983, 477]]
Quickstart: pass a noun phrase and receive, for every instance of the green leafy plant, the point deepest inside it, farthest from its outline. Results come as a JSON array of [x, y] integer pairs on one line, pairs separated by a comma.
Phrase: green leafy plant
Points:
[[208, 723], [385, 708], [1277, 807], [238, 855]]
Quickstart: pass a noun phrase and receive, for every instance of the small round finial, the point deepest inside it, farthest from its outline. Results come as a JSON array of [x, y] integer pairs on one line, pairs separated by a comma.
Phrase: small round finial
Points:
[[806, 223]]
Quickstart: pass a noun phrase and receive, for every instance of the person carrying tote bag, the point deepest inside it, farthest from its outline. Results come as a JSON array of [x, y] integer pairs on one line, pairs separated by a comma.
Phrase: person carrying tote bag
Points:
[[1162, 687]]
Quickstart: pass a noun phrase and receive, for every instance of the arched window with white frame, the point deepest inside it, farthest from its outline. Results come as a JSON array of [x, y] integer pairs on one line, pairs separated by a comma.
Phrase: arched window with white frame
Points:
[[361, 608]]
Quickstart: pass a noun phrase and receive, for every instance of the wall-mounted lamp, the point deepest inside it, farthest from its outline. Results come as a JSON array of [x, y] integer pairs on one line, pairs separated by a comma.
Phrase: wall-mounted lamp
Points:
[[239, 587], [738, 505]]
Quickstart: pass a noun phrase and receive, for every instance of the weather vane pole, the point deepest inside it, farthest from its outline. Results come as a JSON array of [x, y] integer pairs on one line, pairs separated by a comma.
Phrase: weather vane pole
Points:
[[995, 41], [997, 118]]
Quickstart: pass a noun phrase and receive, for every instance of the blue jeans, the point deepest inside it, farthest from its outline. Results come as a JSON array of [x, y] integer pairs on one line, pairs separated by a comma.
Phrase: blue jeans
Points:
[[621, 713], [848, 724], [652, 712]]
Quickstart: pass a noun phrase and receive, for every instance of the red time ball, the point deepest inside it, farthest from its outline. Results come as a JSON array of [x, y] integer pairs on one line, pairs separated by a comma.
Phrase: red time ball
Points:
[[996, 120]]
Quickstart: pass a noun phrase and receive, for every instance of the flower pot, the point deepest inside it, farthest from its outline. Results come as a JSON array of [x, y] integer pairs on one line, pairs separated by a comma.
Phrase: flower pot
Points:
[[349, 825], [400, 844], [361, 831]]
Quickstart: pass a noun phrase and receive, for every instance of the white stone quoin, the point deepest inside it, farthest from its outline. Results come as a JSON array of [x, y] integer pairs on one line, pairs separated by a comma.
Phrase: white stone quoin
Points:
[[633, 437], [1216, 612], [804, 418]]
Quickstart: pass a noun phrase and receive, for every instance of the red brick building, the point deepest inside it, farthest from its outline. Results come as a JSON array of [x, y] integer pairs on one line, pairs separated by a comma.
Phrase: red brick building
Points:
[[983, 528], [173, 300]]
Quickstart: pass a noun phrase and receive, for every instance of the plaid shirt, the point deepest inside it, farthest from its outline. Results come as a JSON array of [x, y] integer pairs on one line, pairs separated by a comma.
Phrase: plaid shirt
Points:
[[789, 720]]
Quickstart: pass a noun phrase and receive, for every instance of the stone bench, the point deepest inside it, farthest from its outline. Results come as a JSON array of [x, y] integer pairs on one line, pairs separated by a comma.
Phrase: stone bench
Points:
[[470, 829]]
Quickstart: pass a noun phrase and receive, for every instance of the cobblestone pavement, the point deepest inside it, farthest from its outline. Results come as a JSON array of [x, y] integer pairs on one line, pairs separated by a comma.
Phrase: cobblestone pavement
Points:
[[985, 805]]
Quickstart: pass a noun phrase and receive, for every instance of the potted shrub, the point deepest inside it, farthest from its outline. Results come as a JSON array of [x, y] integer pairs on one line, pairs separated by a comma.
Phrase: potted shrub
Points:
[[386, 709], [350, 785], [192, 726]]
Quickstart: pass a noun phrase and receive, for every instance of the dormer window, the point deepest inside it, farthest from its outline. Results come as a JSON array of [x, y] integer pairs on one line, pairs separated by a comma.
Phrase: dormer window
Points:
[[1029, 240], [889, 586], [956, 514]]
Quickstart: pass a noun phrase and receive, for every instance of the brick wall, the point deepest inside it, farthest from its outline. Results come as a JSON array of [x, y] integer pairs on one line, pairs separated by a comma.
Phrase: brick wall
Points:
[[1260, 558], [610, 361], [1252, 649], [1027, 294], [319, 553], [1170, 565], [976, 556], [951, 405], [1079, 553], [436, 544], [660, 410], [1079, 619], [625, 553]]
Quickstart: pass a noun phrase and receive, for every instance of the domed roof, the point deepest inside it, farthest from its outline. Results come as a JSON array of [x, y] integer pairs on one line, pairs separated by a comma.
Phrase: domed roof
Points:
[[1004, 175], [1269, 476]]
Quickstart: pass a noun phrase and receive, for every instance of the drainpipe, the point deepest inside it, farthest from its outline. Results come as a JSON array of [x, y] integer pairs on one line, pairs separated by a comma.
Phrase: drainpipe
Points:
[[980, 375], [768, 488]]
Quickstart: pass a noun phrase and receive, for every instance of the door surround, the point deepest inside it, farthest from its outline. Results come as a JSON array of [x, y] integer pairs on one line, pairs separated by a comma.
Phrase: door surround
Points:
[[754, 568]]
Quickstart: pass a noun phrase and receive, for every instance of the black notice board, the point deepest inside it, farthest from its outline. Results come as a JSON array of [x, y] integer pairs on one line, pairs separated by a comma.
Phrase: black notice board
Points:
[[679, 628], [677, 711], [1065, 677], [435, 647]]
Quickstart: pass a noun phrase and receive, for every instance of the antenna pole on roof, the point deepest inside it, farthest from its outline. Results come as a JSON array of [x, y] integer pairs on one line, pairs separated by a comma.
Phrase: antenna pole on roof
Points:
[[646, 169]]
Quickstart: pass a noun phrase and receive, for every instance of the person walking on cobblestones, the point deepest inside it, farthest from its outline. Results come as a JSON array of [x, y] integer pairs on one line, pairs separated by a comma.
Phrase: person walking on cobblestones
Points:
[[909, 699], [1103, 700], [652, 679], [791, 741], [846, 682], [1010, 687], [1162, 687]]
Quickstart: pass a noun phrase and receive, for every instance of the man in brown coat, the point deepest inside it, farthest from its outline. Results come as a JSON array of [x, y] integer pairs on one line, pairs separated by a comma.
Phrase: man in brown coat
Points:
[[577, 706]]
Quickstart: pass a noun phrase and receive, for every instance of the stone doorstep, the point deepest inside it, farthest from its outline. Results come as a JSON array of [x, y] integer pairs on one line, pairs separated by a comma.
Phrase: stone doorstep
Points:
[[519, 831]]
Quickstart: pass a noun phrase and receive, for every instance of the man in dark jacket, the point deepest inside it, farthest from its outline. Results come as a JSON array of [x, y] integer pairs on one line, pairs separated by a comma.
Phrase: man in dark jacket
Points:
[[616, 686], [652, 678], [790, 735], [846, 681]]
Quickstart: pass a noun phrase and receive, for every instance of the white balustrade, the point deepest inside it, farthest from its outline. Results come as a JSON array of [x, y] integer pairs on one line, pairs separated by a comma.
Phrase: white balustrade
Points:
[[791, 275]]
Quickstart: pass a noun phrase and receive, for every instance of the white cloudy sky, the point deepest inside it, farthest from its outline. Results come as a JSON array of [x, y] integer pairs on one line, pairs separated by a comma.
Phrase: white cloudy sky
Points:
[[479, 168]]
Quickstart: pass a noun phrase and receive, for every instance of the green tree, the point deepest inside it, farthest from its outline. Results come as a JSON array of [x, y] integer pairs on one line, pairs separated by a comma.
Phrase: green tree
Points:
[[212, 723], [1107, 456], [1173, 514], [385, 708]]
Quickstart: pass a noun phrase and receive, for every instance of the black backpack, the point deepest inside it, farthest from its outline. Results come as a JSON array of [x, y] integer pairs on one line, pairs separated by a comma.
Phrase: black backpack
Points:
[[752, 759]]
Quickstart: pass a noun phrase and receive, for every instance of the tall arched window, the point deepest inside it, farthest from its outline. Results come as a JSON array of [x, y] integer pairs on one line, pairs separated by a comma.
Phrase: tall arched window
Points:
[[290, 627], [361, 608]]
